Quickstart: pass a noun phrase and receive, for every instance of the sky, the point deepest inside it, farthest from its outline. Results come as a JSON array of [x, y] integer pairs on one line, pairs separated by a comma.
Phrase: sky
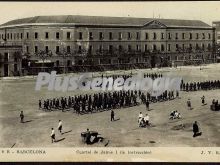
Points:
[[206, 11]]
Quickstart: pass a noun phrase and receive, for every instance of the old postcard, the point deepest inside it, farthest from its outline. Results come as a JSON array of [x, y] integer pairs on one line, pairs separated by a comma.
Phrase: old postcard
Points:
[[110, 81]]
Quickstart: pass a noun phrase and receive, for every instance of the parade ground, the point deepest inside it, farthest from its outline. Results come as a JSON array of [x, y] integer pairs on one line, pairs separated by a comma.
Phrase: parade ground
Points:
[[18, 94]]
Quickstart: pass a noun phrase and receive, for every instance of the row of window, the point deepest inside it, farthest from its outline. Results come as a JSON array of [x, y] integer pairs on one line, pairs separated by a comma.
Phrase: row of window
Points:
[[129, 48], [11, 36], [177, 36], [137, 36]]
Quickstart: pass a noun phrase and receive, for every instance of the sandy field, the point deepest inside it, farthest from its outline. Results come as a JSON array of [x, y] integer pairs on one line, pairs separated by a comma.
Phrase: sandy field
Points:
[[18, 94]]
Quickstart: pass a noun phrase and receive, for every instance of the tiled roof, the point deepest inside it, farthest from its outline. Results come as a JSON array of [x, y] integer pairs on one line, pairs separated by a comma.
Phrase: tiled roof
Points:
[[100, 20]]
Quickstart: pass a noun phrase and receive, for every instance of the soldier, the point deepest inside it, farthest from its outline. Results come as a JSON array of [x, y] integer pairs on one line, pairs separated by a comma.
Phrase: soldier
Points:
[[172, 94], [60, 126], [83, 105], [203, 100], [54, 103], [122, 102], [169, 95], [112, 115], [140, 116], [147, 105], [21, 117], [39, 104], [52, 135], [189, 104], [184, 86], [187, 87], [148, 96], [90, 104], [51, 104], [213, 101], [195, 129], [135, 99], [190, 86], [88, 136], [177, 94], [194, 86], [198, 85], [146, 119], [143, 98]]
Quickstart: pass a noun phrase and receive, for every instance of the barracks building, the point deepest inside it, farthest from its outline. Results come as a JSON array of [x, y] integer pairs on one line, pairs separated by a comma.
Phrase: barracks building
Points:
[[86, 43], [216, 25]]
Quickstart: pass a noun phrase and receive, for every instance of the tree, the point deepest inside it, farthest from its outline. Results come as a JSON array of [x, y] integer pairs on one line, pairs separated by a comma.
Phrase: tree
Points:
[[43, 55], [64, 55]]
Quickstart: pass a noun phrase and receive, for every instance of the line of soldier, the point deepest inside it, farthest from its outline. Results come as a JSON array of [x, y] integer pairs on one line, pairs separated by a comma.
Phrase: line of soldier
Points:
[[204, 85], [103, 101], [153, 75], [95, 102], [126, 76]]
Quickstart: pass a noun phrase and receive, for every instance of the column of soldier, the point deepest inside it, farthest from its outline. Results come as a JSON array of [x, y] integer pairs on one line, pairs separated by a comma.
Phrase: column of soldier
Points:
[[102, 101], [204, 85], [150, 75]]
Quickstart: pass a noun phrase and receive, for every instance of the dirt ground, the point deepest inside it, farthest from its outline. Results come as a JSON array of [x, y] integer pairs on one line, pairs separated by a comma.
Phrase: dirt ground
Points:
[[19, 94]]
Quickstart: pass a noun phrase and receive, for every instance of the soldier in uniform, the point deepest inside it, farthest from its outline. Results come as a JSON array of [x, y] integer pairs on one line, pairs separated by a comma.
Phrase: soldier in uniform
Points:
[[189, 104], [147, 105], [60, 126], [22, 117], [140, 116], [187, 87], [195, 129], [184, 86], [146, 119], [177, 94], [52, 135], [203, 100], [39, 104], [112, 115]]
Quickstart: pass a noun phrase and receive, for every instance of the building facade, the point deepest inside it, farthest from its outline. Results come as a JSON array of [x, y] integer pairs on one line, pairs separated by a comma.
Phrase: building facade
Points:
[[216, 25], [64, 42], [10, 61]]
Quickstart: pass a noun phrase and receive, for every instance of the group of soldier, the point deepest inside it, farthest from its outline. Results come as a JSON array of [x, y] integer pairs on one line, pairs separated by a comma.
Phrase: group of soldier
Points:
[[103, 101], [204, 85], [153, 75], [93, 102], [114, 77], [126, 76], [215, 105]]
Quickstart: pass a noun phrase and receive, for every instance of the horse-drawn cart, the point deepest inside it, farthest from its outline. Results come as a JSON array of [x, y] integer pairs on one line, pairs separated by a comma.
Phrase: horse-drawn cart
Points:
[[89, 136]]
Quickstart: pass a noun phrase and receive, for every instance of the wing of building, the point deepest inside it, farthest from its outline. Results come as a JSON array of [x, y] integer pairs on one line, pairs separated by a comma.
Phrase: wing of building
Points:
[[216, 25], [68, 42]]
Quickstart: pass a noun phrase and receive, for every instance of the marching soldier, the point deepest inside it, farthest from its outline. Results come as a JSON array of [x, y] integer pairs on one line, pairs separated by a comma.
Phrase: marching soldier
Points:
[[177, 94]]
